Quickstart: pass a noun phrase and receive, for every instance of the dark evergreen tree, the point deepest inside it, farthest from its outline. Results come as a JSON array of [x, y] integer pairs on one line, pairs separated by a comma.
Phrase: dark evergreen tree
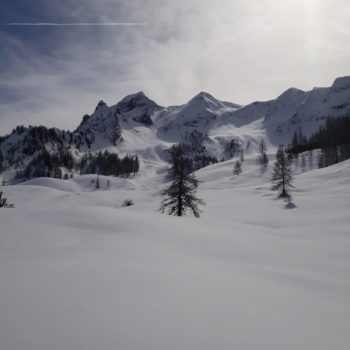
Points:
[[201, 161], [56, 172], [322, 159], [237, 168], [262, 160], [232, 147], [241, 156], [97, 183], [311, 158], [180, 195], [3, 201], [282, 174], [1, 162], [127, 203], [303, 162], [299, 142]]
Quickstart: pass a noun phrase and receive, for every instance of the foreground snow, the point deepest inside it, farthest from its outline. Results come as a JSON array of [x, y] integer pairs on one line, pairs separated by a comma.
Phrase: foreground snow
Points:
[[77, 271]]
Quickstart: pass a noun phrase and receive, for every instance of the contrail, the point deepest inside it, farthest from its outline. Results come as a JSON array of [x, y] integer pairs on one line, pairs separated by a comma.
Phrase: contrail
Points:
[[76, 24]]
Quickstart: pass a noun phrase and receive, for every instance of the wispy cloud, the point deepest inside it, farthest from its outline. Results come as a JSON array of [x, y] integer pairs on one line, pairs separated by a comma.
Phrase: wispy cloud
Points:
[[237, 50], [76, 24]]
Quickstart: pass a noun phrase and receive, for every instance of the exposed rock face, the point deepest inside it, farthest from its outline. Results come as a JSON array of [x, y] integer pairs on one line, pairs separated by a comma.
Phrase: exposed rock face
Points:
[[98, 130], [137, 107]]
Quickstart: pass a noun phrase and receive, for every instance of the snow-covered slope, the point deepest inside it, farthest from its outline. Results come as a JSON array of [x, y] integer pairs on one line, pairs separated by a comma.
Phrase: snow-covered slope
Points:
[[202, 113], [306, 110], [77, 271]]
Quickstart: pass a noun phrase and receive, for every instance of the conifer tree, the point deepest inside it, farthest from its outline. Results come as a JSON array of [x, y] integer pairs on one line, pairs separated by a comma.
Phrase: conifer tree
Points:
[[282, 174], [311, 158], [303, 162], [1, 162], [237, 168], [97, 187], [3, 201], [241, 156], [180, 195], [262, 160]]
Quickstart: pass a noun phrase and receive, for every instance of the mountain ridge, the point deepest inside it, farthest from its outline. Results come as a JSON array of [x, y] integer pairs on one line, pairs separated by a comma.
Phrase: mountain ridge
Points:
[[138, 125]]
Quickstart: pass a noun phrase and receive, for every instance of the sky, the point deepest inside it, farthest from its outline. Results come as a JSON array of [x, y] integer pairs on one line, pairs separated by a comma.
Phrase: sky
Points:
[[237, 50]]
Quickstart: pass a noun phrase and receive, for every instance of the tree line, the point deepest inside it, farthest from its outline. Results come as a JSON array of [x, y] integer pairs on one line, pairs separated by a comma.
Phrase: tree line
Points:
[[46, 164], [332, 139], [106, 163]]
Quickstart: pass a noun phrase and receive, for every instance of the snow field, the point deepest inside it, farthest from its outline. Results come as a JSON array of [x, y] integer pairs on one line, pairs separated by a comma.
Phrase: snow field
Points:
[[78, 271]]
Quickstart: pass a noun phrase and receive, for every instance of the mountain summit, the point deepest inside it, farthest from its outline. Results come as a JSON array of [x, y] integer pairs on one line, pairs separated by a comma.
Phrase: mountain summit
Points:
[[137, 107]]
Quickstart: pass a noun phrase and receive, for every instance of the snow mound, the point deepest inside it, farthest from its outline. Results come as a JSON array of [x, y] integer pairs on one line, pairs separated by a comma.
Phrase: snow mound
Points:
[[56, 184]]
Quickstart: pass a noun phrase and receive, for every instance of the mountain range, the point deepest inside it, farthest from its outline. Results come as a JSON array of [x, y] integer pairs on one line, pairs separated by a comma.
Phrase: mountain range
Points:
[[138, 125]]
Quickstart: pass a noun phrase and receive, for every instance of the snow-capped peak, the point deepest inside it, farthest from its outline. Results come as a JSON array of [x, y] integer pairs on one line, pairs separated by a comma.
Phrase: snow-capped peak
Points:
[[203, 95], [199, 114], [291, 95], [138, 96], [138, 99], [206, 100], [101, 105], [137, 108]]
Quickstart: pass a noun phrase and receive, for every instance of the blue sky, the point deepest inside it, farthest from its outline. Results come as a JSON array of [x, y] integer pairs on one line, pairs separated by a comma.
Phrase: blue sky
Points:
[[237, 50]]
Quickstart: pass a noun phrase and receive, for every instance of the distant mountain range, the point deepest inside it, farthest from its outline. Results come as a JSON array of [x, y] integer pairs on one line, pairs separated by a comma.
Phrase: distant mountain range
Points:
[[137, 125]]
